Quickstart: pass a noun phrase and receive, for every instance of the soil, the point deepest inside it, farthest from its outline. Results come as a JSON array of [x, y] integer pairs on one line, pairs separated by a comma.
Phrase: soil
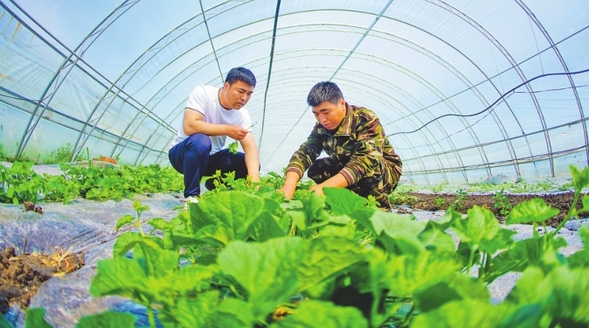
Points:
[[21, 275], [441, 201]]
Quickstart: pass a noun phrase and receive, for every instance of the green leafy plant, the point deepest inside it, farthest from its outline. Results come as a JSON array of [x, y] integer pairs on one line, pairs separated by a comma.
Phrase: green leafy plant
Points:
[[3, 155], [20, 183], [501, 203], [439, 202], [346, 263], [62, 154], [458, 204], [233, 146]]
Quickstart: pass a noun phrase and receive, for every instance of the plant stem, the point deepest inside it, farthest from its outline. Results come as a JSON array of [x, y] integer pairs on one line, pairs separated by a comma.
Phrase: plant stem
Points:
[[151, 317], [470, 260], [570, 214]]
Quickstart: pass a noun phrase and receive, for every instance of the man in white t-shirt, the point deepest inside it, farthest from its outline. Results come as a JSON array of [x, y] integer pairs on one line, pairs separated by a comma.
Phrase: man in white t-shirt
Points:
[[211, 115]]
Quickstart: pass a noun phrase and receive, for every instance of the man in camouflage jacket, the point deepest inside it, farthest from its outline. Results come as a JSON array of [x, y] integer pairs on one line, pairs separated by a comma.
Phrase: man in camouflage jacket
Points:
[[361, 158]]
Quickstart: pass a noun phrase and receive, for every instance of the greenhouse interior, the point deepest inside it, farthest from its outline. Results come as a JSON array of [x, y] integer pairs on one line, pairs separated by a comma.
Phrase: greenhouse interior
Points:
[[467, 92]]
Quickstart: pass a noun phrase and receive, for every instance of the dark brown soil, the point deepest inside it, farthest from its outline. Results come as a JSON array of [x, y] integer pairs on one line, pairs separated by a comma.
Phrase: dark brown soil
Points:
[[498, 205], [21, 275]]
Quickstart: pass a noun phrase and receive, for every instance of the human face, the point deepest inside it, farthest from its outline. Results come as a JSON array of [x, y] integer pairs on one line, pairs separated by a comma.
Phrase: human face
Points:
[[330, 115], [235, 95]]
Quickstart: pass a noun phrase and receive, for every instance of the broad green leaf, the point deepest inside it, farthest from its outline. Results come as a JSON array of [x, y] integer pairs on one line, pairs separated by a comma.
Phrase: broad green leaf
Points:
[[218, 235], [125, 242], [400, 243], [463, 314], [237, 210], [502, 240], [321, 314], [524, 316], [434, 238], [266, 227], [363, 219], [456, 287], [191, 312], [563, 293], [580, 178], [393, 223], [267, 271], [109, 319], [341, 226], [526, 290], [407, 274], [569, 299], [35, 318], [533, 210], [312, 216], [118, 276], [157, 261], [192, 278], [325, 257], [159, 224], [137, 277], [479, 224], [124, 220], [233, 312], [343, 201], [524, 253]]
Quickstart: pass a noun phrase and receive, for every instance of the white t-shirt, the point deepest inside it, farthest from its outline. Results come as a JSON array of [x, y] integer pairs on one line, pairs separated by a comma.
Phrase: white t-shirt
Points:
[[205, 100]]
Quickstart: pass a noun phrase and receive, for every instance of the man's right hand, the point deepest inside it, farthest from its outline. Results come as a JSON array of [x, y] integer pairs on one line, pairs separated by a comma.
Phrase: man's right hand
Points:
[[236, 132], [290, 185]]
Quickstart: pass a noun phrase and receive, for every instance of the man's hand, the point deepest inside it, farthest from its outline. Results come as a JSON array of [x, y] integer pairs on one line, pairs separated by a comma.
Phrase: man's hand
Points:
[[286, 191], [290, 185], [318, 189], [236, 132]]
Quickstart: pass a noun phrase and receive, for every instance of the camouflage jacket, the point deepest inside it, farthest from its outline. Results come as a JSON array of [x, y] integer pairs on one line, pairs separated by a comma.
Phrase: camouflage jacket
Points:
[[359, 143]]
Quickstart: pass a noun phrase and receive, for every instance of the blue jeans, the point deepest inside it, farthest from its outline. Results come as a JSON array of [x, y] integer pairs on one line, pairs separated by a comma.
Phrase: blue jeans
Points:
[[191, 158]]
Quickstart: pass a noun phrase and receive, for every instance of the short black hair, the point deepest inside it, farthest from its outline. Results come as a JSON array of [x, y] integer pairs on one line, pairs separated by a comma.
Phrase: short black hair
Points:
[[241, 74], [324, 91]]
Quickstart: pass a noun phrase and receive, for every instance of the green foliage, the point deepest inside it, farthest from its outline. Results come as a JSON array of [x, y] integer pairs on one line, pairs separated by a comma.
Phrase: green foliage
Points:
[[3, 155], [233, 147], [501, 203], [20, 183], [439, 202], [246, 252], [353, 265], [62, 155], [458, 204], [401, 197]]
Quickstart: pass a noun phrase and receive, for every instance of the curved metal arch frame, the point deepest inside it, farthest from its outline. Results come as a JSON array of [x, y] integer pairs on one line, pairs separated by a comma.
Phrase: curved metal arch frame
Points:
[[67, 65], [510, 59], [544, 126], [565, 67], [364, 35]]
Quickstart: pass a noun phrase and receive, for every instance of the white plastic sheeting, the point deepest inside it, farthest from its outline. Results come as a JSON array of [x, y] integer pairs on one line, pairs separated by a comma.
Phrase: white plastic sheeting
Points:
[[466, 90]]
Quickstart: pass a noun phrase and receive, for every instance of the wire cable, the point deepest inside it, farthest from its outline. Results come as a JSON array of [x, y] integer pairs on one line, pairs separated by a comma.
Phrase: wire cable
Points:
[[502, 97]]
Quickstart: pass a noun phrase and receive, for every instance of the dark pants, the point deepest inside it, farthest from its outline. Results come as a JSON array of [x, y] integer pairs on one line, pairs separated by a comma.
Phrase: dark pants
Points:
[[191, 158], [378, 186]]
